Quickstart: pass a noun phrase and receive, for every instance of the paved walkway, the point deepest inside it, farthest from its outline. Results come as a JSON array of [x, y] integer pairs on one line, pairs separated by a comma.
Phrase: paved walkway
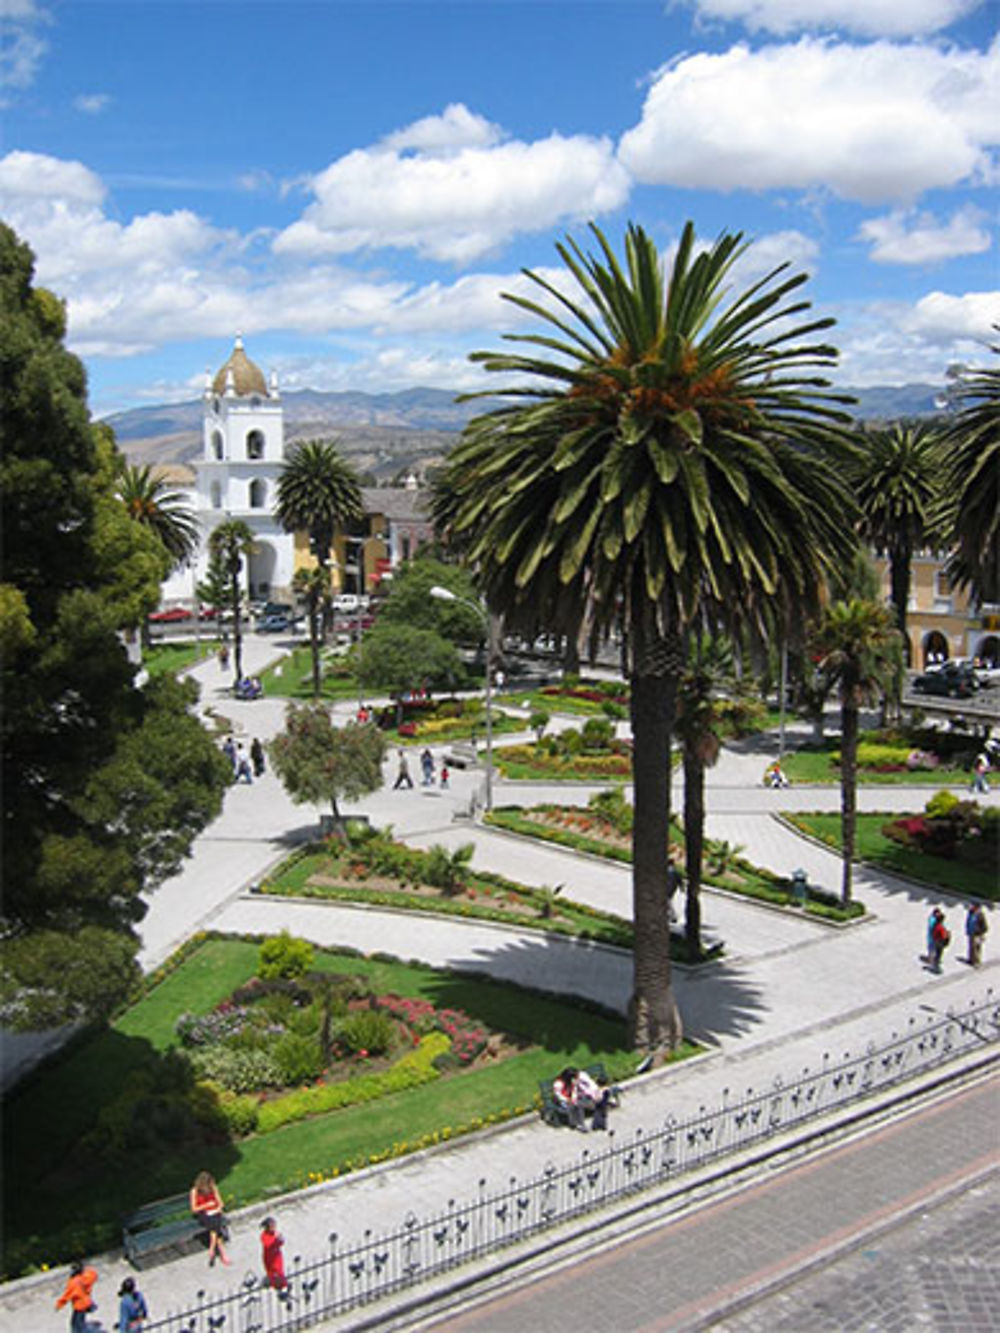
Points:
[[788, 991]]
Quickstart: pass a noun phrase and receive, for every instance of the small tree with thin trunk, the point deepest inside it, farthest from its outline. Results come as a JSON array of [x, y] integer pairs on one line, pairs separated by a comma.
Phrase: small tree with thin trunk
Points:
[[318, 762]]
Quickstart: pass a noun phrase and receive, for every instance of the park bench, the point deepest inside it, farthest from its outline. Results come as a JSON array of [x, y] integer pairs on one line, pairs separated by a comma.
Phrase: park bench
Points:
[[552, 1112], [461, 756], [166, 1224]]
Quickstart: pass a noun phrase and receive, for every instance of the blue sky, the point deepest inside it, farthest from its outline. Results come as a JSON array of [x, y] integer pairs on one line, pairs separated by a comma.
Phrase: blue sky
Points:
[[351, 185]]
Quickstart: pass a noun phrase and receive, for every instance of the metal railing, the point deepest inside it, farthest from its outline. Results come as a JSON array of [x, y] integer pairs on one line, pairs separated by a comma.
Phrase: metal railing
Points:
[[353, 1274]]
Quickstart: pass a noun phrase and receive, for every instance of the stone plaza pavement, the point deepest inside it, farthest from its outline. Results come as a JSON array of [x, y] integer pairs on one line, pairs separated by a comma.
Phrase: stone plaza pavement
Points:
[[787, 992]]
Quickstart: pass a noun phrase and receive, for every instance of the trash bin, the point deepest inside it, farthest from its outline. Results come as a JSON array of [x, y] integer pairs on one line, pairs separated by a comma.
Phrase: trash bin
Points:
[[800, 885]]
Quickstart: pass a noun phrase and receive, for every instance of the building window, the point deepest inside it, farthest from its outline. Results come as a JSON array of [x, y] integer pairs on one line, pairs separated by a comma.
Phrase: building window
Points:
[[255, 444], [258, 494], [406, 548], [217, 444], [216, 495]]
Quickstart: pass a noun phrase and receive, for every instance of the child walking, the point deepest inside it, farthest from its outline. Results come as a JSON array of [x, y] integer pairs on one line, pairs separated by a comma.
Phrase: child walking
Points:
[[271, 1244]]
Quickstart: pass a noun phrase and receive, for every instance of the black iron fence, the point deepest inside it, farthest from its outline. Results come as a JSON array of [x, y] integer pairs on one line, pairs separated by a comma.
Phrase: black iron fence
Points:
[[354, 1273]]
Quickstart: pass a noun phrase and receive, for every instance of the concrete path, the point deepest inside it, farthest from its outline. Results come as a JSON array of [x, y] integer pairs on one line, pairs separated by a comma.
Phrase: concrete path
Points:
[[788, 991]]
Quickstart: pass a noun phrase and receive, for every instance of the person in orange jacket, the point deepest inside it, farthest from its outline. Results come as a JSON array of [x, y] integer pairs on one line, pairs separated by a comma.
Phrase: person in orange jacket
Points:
[[78, 1288]]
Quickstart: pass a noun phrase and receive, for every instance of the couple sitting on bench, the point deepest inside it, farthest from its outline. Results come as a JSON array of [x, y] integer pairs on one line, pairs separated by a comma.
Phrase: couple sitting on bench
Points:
[[578, 1095], [248, 688]]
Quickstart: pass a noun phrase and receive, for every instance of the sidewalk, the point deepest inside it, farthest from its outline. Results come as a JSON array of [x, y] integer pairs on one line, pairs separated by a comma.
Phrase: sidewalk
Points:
[[787, 992]]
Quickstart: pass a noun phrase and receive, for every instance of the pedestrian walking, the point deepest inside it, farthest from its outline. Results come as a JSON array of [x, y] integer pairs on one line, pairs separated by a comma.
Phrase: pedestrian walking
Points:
[[940, 939], [243, 773], [427, 765], [980, 782], [444, 776], [132, 1309], [271, 1244], [79, 1285], [976, 927], [257, 757], [229, 750], [223, 655], [675, 882], [403, 778]]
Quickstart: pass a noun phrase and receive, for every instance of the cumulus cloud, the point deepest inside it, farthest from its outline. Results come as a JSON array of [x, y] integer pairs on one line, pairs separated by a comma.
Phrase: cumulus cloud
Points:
[[920, 238], [940, 317], [92, 104], [867, 18], [875, 123], [450, 189]]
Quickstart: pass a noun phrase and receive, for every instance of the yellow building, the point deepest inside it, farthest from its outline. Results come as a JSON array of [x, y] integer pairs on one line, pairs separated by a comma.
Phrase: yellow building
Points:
[[943, 621]]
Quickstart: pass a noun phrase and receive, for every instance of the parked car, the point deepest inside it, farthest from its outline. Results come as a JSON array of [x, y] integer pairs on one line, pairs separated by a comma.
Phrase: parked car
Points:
[[954, 682], [277, 623], [171, 616]]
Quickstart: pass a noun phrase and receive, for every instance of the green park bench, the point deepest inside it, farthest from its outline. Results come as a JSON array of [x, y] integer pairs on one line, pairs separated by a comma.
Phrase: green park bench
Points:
[[166, 1224], [552, 1112]]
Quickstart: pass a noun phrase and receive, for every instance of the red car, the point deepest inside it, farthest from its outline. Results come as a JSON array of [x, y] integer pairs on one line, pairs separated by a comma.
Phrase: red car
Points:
[[170, 617]]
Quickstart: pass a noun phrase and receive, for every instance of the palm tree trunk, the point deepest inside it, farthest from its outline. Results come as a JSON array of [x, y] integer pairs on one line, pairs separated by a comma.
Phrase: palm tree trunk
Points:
[[654, 1020], [237, 635], [314, 644], [900, 558], [848, 792], [694, 844]]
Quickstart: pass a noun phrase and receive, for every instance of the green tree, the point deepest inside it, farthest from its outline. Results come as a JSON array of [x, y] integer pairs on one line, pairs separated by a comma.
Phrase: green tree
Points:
[[228, 544], [678, 451], [398, 659], [410, 601], [859, 651], [318, 762], [972, 483], [105, 785], [897, 485], [149, 500], [213, 589]]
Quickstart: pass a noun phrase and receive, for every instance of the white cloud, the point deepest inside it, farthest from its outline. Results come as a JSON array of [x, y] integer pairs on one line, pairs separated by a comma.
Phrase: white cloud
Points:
[[866, 18], [894, 342], [447, 188], [919, 238], [92, 104], [876, 122], [21, 47], [940, 318]]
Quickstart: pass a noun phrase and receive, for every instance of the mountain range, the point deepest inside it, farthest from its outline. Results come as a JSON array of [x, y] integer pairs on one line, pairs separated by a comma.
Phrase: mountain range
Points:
[[387, 435]]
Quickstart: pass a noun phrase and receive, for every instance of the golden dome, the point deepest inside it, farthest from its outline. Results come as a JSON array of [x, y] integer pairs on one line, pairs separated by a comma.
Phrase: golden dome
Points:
[[248, 378]]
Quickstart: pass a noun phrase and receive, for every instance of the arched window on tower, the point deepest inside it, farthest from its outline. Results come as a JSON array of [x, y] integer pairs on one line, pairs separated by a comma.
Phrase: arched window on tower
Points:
[[255, 444], [216, 495], [258, 494], [217, 445]]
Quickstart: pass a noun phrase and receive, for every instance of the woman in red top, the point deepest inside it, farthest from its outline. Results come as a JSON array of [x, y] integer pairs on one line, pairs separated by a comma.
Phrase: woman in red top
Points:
[[271, 1242], [206, 1204]]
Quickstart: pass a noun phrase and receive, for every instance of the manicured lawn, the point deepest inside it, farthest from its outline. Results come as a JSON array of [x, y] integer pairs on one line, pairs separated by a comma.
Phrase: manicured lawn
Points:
[[559, 700], [175, 657], [61, 1198], [957, 875], [809, 765], [735, 875], [323, 873], [291, 678]]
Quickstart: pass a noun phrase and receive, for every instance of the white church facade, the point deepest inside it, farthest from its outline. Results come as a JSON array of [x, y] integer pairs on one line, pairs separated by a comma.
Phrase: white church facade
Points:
[[243, 448]]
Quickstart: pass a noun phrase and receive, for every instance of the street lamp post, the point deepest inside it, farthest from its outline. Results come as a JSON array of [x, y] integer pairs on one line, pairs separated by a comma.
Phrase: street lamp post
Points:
[[446, 595]]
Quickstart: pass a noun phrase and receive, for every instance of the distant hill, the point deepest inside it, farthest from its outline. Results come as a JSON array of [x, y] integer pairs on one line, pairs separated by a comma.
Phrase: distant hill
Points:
[[386, 434]]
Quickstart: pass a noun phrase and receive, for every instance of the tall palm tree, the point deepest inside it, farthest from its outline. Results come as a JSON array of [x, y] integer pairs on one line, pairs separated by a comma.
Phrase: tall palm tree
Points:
[[149, 500], [313, 586], [317, 493], [710, 671], [675, 451], [898, 481], [859, 650], [229, 543], [972, 482]]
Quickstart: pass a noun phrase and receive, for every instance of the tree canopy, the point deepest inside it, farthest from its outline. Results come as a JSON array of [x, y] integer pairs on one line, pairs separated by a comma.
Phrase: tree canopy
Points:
[[398, 658], [104, 784], [410, 601], [318, 762]]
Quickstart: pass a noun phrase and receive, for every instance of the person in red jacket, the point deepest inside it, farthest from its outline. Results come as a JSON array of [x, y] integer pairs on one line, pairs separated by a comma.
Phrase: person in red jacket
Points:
[[271, 1243], [78, 1288]]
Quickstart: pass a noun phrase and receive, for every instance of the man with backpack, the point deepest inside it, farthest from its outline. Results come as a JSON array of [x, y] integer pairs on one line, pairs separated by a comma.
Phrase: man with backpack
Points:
[[976, 927]]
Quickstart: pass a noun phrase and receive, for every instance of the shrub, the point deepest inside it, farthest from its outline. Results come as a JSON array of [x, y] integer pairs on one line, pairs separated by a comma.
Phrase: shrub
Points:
[[368, 1030], [298, 1058], [238, 1071], [612, 709], [941, 803], [612, 807], [220, 1025], [597, 733], [284, 956], [240, 1113], [570, 742]]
